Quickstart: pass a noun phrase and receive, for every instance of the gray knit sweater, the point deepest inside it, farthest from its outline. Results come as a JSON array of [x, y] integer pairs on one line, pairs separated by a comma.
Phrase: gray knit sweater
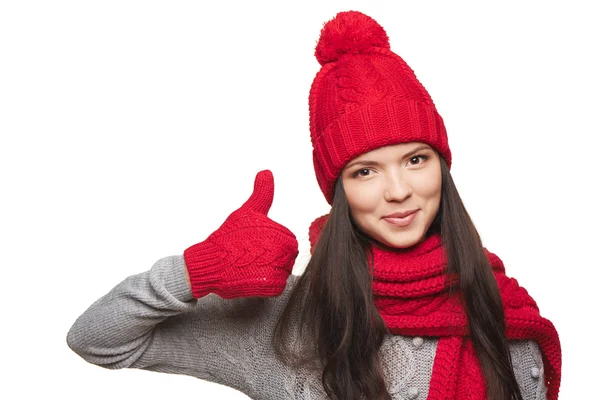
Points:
[[151, 321]]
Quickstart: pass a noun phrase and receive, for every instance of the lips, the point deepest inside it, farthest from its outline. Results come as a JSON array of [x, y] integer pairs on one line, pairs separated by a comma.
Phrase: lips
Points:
[[401, 219], [400, 214]]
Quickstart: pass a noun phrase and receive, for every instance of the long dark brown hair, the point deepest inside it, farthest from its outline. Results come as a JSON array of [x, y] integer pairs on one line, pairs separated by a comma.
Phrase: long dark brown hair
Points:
[[332, 304]]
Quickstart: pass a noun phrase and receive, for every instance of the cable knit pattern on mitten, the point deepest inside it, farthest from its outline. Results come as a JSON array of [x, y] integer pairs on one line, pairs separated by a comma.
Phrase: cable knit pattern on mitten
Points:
[[249, 255]]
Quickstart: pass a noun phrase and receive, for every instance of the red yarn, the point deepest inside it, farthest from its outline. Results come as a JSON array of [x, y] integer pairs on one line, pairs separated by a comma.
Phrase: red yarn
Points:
[[249, 255], [349, 32], [409, 287]]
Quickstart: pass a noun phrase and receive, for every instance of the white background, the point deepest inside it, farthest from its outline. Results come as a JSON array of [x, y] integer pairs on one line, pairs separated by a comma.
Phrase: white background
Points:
[[131, 129]]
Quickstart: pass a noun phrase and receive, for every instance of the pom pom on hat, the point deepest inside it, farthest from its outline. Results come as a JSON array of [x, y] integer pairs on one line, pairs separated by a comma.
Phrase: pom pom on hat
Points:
[[349, 32]]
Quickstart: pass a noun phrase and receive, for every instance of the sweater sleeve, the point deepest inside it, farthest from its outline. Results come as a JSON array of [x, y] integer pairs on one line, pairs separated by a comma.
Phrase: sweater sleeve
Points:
[[152, 321], [140, 322]]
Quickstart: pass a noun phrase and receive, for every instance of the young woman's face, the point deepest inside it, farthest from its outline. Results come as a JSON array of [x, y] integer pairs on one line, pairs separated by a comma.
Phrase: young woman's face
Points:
[[393, 179]]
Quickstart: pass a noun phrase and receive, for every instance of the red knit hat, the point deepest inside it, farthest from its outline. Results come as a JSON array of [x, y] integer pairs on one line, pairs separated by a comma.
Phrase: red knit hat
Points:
[[365, 97]]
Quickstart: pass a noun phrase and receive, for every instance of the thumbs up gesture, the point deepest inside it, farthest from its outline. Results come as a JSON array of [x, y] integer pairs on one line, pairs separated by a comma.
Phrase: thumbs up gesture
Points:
[[249, 255]]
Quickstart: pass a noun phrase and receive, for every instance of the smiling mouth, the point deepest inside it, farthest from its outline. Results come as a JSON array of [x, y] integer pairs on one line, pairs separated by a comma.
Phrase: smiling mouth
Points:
[[401, 214], [401, 221]]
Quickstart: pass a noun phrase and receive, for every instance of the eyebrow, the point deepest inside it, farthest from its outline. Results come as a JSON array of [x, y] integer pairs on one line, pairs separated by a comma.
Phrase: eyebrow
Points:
[[375, 163]]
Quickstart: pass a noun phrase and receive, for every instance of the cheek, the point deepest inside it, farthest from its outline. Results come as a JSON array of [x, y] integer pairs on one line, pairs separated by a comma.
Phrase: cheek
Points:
[[362, 199], [430, 188]]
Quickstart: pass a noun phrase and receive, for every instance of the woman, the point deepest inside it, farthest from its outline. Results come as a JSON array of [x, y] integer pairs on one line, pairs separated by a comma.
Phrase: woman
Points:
[[399, 300]]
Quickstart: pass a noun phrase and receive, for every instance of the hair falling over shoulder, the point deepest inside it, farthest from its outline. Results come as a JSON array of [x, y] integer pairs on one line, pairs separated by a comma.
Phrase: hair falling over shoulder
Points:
[[332, 307]]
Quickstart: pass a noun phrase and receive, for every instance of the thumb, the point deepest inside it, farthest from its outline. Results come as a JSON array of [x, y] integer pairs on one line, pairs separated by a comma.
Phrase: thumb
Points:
[[262, 197]]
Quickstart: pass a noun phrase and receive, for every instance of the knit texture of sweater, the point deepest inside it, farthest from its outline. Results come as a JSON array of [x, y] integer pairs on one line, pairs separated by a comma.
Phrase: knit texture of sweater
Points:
[[152, 321]]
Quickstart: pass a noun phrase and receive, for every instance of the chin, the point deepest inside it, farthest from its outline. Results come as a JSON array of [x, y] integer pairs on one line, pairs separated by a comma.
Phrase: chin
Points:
[[403, 240]]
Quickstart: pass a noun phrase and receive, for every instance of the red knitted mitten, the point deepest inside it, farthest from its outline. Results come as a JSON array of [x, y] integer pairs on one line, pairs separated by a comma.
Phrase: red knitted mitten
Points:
[[249, 255]]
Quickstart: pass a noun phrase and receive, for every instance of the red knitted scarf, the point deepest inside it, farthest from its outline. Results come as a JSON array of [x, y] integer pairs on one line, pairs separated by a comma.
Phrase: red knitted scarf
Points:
[[410, 292]]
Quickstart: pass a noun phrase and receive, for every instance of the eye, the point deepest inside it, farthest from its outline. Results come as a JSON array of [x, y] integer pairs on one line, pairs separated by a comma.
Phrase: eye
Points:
[[416, 159], [361, 172]]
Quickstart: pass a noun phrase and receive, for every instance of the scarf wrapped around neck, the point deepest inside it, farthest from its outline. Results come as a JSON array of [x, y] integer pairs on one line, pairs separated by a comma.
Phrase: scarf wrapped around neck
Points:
[[410, 292]]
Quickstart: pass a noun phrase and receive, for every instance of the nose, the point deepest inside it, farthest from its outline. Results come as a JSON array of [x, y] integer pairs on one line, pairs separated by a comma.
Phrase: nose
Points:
[[396, 189]]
